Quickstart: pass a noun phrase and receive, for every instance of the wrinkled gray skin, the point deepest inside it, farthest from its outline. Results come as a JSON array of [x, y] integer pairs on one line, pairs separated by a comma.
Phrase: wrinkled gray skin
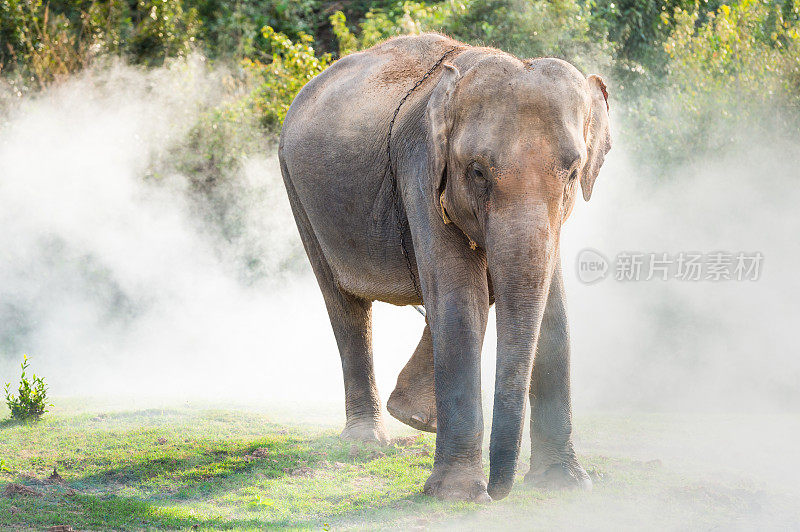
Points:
[[507, 141]]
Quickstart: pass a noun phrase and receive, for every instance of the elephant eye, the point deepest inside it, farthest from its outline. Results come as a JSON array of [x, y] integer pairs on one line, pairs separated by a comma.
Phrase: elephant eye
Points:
[[573, 175], [477, 171]]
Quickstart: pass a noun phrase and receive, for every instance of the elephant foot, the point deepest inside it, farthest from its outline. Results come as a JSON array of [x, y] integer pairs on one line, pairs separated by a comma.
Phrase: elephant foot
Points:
[[415, 410], [554, 466], [452, 483], [413, 400], [565, 475], [366, 431]]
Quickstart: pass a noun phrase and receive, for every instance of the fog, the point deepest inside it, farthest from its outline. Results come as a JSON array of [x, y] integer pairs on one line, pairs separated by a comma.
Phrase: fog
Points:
[[691, 345], [115, 283]]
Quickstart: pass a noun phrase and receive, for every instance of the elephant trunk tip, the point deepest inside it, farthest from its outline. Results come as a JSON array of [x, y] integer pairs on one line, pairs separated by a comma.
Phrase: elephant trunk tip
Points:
[[501, 476], [499, 489]]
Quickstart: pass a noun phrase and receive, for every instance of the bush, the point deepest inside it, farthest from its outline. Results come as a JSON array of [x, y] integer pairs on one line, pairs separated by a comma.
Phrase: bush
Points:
[[232, 30], [163, 29], [533, 28], [278, 82], [30, 404], [525, 28], [681, 72], [736, 71], [45, 45], [47, 41]]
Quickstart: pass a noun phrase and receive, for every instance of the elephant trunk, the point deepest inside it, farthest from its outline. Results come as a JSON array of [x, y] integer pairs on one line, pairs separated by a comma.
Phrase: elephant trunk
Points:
[[520, 255]]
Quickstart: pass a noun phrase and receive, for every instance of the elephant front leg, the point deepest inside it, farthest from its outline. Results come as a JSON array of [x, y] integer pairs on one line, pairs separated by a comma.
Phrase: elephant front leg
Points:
[[458, 323], [553, 461], [413, 400]]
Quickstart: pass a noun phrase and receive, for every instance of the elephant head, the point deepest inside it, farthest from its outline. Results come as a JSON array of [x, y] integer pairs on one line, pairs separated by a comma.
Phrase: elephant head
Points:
[[508, 143]]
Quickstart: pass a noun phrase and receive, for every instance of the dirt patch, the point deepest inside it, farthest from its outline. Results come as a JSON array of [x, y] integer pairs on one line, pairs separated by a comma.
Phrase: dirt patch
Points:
[[119, 477], [649, 465], [13, 490], [374, 455], [302, 471], [54, 478], [401, 70], [739, 499], [407, 441], [261, 452], [258, 454], [425, 450], [60, 528]]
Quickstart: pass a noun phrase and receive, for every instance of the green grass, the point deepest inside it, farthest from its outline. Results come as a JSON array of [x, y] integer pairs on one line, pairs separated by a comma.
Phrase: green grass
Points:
[[184, 467]]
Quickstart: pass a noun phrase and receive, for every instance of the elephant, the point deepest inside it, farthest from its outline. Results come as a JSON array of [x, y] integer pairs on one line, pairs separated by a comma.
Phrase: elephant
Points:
[[424, 171]]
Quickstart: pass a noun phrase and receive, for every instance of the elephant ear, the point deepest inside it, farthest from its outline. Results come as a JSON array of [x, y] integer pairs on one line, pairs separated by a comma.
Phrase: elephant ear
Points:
[[598, 135], [440, 121]]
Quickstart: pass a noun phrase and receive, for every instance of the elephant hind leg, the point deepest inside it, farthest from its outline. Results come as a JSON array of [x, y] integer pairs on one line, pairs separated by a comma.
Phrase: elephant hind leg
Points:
[[413, 400], [351, 320]]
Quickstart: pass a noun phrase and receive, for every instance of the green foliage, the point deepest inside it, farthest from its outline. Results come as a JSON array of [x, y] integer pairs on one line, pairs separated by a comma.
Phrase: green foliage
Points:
[[14, 27], [378, 24], [638, 26], [164, 29], [45, 43], [679, 71], [748, 52], [527, 28], [31, 401], [406, 18], [532, 28], [233, 29], [276, 83], [48, 41], [738, 68], [347, 41]]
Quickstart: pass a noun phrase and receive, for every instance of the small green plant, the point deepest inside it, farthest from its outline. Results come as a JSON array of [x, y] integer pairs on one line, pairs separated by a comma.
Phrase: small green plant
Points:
[[30, 403]]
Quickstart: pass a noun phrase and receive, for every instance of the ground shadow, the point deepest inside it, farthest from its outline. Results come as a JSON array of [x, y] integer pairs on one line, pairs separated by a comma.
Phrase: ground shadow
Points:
[[214, 472], [8, 423]]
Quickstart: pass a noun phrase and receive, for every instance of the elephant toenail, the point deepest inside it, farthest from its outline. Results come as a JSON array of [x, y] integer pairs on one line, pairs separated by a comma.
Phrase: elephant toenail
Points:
[[482, 498]]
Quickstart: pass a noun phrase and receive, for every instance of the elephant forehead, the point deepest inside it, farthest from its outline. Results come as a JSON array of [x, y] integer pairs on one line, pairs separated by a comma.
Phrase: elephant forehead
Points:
[[526, 105], [536, 85]]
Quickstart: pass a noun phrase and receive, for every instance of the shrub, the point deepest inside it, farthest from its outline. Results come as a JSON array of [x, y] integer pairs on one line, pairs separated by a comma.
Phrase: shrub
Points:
[[232, 30], [738, 68], [46, 44], [276, 83], [164, 29], [30, 403], [532, 28], [47, 41], [526, 28]]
